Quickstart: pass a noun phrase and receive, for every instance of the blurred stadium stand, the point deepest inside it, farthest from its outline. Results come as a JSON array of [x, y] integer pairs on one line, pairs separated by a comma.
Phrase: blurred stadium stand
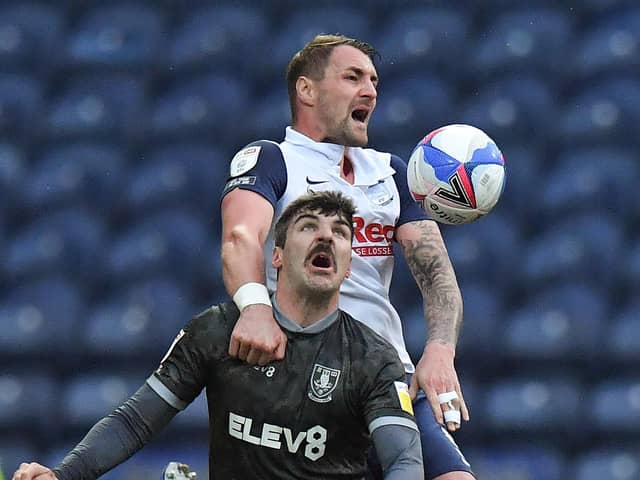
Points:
[[117, 124]]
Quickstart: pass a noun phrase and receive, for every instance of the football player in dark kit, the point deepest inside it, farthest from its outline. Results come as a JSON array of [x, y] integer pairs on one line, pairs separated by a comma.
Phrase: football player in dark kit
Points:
[[313, 414]]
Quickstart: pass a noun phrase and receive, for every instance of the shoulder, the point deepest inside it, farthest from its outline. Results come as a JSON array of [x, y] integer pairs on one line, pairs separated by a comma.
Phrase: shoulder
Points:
[[398, 164], [364, 337], [248, 157], [373, 359], [216, 321]]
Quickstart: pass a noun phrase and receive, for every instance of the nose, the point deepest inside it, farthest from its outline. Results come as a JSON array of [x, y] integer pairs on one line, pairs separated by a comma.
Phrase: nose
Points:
[[325, 234], [370, 90]]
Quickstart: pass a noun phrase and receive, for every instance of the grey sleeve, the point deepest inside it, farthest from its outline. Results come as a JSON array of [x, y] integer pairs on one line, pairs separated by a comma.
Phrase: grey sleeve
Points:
[[117, 436], [399, 451]]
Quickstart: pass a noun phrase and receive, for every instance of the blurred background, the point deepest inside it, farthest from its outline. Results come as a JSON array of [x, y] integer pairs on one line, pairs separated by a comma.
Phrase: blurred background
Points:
[[117, 125]]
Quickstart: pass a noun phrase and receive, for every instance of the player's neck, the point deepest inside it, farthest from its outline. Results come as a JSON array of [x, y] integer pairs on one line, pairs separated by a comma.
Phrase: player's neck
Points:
[[305, 310], [318, 135], [346, 170]]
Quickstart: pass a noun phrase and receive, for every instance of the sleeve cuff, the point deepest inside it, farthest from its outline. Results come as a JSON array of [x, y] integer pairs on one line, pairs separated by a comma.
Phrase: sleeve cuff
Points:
[[166, 394]]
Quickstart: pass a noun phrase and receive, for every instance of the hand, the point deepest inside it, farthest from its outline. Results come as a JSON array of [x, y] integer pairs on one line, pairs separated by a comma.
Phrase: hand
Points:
[[33, 471], [435, 375], [257, 338]]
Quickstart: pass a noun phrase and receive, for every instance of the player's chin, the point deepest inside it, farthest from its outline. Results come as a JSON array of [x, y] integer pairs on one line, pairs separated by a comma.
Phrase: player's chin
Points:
[[324, 282], [359, 134]]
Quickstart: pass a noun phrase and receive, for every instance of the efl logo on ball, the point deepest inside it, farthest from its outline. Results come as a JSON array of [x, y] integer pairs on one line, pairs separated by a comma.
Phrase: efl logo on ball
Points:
[[456, 173]]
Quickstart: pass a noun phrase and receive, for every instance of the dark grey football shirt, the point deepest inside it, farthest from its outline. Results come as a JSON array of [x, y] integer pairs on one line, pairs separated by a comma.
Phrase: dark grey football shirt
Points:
[[307, 416]]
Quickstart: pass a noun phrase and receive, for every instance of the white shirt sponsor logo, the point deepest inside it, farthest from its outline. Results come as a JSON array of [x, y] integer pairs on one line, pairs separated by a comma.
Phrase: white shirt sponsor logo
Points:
[[272, 436]]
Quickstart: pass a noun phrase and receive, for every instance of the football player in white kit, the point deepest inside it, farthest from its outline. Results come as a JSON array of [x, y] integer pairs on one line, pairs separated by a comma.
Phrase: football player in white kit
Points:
[[332, 85]]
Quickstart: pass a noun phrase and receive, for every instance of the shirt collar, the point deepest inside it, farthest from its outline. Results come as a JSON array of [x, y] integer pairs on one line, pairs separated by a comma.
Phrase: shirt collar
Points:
[[331, 151], [369, 166], [292, 326]]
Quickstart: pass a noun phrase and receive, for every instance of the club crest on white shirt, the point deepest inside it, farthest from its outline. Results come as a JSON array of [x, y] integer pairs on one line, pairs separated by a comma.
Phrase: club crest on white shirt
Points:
[[324, 381], [244, 160], [380, 193]]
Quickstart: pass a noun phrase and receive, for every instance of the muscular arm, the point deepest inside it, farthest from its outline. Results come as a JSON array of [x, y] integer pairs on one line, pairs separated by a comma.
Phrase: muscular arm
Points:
[[429, 263], [246, 220], [118, 436], [399, 452]]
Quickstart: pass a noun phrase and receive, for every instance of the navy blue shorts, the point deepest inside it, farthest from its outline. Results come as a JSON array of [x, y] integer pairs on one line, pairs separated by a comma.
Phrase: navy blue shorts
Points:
[[440, 452]]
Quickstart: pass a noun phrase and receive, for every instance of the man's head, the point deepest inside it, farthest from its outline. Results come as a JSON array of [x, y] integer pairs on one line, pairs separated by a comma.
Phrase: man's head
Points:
[[313, 244], [332, 85]]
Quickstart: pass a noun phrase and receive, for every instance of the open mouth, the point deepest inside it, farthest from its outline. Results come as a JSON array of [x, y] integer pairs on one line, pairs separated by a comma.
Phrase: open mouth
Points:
[[360, 114], [322, 260]]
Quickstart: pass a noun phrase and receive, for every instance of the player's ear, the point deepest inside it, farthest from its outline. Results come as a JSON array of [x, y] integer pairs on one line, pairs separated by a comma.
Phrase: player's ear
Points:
[[347, 274], [276, 258], [305, 90]]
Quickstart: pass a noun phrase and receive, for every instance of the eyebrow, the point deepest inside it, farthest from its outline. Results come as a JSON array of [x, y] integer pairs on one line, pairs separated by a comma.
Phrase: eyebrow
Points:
[[303, 216], [311, 216], [359, 71]]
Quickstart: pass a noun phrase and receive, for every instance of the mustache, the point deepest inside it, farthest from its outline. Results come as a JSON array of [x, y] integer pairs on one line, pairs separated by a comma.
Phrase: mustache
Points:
[[322, 248]]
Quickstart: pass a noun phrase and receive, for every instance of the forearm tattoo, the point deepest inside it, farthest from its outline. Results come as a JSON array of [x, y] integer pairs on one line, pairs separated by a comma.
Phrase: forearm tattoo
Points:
[[429, 262]]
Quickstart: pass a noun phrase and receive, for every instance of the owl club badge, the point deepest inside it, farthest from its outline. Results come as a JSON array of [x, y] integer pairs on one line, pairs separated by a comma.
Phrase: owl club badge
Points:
[[323, 382]]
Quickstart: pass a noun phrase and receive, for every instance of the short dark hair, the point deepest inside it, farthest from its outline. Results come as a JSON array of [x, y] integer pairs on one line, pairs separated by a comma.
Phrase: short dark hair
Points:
[[312, 61], [324, 203]]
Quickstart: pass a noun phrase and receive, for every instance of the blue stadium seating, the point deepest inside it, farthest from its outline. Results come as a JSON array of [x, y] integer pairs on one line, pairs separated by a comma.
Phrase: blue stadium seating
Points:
[[76, 173], [486, 250], [578, 182], [91, 396], [185, 175], [138, 320], [194, 418], [414, 327], [298, 26], [629, 271], [562, 323], [20, 104], [206, 106], [600, 113], [38, 315], [13, 171], [520, 461], [610, 44], [218, 35], [582, 248], [101, 106], [484, 307], [623, 341], [422, 38], [514, 108], [614, 406], [14, 451], [125, 36], [529, 39], [530, 404], [607, 462], [151, 460], [523, 165], [31, 35], [69, 240], [270, 115], [410, 107], [28, 402], [117, 124], [172, 241]]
